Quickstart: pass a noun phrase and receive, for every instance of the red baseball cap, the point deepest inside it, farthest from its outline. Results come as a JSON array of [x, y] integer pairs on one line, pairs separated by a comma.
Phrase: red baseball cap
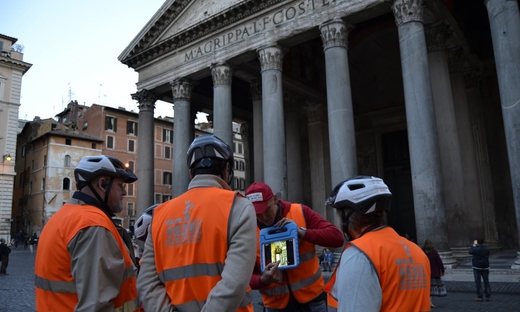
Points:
[[259, 194]]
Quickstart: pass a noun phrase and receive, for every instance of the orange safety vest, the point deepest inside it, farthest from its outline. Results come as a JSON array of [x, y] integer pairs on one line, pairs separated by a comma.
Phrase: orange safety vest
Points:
[[305, 282], [190, 238], [54, 285], [402, 267]]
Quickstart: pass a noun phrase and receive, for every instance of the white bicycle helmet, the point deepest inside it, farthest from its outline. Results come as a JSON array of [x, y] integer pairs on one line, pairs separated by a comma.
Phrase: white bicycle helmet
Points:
[[141, 226], [362, 194], [91, 167]]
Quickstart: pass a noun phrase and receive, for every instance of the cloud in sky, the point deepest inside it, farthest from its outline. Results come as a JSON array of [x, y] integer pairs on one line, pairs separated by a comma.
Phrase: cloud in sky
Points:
[[73, 46]]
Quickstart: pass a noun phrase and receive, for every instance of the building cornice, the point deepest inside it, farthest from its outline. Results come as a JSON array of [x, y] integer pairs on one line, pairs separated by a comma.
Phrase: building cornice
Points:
[[144, 52], [14, 64]]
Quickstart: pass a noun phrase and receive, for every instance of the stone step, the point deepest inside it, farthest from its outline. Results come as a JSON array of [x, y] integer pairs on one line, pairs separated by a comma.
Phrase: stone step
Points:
[[491, 271]]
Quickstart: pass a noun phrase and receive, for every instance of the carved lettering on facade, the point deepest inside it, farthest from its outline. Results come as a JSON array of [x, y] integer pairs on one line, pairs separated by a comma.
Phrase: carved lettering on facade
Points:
[[261, 24]]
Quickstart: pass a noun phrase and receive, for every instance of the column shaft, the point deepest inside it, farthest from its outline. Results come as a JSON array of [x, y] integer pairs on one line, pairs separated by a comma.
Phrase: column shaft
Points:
[[258, 134], [342, 134], [145, 156], [429, 207], [222, 105], [271, 59], [504, 20], [182, 122]]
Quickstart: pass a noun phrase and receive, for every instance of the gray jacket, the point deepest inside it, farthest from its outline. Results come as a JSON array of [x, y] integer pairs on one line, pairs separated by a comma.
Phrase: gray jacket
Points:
[[229, 292]]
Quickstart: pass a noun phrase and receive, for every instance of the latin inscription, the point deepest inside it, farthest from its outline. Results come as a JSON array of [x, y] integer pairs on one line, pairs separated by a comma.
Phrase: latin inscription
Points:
[[284, 14]]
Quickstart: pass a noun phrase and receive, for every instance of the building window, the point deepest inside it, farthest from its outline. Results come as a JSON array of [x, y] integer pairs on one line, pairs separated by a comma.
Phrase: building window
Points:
[[235, 165], [23, 150], [131, 146], [110, 142], [85, 125], [167, 178], [166, 198], [68, 142], [157, 198], [44, 160], [66, 184], [242, 184], [130, 189], [167, 136], [130, 211], [239, 148], [94, 145], [131, 127], [111, 123], [242, 166], [235, 183], [234, 147], [131, 165], [167, 152], [43, 184], [67, 161]]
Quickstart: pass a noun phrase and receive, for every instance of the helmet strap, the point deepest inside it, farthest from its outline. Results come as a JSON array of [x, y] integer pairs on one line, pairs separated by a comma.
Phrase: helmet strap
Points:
[[103, 203], [345, 223]]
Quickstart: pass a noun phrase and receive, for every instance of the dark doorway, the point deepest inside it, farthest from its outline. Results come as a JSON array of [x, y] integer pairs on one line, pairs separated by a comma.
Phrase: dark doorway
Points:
[[397, 175]]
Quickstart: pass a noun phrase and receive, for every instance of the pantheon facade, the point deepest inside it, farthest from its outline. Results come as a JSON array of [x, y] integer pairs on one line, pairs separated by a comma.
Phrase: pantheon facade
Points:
[[422, 93]]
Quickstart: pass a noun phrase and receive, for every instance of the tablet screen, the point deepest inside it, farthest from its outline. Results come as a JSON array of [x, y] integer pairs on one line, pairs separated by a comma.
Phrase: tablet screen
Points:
[[282, 251]]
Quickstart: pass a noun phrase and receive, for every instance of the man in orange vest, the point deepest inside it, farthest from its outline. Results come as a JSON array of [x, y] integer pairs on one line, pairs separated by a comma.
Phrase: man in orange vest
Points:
[[82, 263], [200, 250], [300, 288], [378, 269]]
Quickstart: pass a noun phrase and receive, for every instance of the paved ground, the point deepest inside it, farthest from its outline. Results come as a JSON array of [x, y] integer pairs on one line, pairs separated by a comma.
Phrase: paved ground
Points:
[[17, 290]]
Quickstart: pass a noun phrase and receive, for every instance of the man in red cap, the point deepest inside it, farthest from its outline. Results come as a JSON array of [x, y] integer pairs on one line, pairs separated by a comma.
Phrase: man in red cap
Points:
[[300, 288]]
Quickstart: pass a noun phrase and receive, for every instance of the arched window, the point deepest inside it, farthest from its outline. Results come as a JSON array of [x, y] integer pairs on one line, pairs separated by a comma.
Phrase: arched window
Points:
[[66, 183], [67, 161]]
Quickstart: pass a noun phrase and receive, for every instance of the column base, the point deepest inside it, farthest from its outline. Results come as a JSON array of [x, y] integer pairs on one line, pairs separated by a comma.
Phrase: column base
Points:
[[516, 265], [448, 259]]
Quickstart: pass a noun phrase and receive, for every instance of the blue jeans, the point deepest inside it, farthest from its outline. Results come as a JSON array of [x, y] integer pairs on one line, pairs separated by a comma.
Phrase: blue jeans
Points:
[[484, 274]]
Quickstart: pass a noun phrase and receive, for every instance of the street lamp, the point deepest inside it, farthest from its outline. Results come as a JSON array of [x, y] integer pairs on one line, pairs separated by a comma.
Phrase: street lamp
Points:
[[6, 157]]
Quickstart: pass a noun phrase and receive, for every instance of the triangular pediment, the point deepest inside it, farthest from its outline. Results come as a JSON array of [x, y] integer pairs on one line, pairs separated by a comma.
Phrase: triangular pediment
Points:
[[179, 22]]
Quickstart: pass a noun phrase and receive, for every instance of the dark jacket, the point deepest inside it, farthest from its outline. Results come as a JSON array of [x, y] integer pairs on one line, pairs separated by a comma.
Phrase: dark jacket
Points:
[[437, 267], [4, 250], [480, 257]]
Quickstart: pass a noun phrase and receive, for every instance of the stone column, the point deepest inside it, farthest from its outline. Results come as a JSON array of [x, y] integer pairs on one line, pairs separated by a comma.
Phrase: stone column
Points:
[[319, 162], [294, 151], [504, 20], [430, 214], [271, 59], [182, 122], [487, 197], [145, 144], [258, 142], [342, 135], [449, 147], [222, 106]]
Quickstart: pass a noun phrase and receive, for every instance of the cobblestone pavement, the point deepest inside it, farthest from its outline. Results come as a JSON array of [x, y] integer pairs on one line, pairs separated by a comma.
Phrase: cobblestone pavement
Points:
[[17, 291]]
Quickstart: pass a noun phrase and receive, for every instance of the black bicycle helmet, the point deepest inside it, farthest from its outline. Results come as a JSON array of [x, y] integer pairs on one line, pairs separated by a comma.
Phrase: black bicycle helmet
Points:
[[362, 194], [208, 150], [91, 167]]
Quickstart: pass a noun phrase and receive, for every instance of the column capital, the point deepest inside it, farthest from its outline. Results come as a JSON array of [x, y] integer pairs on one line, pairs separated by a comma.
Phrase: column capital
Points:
[[181, 89], [222, 74], [334, 33], [456, 60], [271, 57], [316, 112], [472, 78], [146, 100], [256, 89], [406, 11], [435, 37]]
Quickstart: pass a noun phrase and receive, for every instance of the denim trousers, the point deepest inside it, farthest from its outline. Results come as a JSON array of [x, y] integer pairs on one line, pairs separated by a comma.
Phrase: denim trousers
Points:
[[482, 275]]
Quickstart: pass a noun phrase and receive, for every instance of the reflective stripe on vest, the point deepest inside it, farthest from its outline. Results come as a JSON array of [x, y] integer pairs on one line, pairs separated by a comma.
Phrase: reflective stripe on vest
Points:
[[184, 226], [305, 281], [55, 287]]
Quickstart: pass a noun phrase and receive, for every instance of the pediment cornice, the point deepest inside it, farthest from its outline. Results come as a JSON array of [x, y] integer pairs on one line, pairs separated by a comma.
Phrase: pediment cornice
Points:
[[145, 50]]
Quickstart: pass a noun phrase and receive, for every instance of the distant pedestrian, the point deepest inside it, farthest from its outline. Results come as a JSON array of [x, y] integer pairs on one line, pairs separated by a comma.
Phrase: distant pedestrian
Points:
[[437, 288], [33, 241], [480, 262], [4, 256]]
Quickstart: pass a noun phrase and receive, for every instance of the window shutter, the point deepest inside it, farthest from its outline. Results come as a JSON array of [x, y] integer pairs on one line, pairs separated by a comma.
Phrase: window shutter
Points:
[[115, 124], [106, 122], [128, 126], [136, 131]]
